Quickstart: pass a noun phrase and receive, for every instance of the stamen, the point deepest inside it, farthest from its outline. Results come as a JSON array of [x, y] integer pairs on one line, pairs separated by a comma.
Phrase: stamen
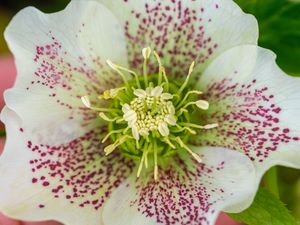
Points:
[[115, 68], [140, 93], [206, 127], [110, 148], [111, 133], [146, 54], [201, 104], [131, 72], [186, 97], [180, 129], [165, 77], [86, 101], [187, 78], [163, 129], [147, 114], [106, 118], [170, 119], [135, 132], [141, 165], [155, 161], [167, 140], [146, 154], [160, 68], [196, 156], [110, 94]]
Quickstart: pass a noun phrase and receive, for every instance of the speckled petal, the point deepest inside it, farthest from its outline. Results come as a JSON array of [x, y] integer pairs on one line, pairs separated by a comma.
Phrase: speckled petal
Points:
[[68, 182], [61, 57], [186, 193], [182, 31], [256, 106]]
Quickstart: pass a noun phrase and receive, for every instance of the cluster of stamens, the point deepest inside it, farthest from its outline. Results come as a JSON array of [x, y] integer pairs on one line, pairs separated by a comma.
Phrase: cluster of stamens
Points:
[[154, 115], [149, 111]]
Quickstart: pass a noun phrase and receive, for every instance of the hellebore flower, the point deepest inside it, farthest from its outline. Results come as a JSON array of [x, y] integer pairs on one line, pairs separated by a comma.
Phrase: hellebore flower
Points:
[[103, 129]]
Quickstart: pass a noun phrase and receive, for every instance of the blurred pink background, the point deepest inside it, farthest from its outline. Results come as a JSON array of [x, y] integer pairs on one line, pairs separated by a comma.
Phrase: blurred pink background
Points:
[[7, 77]]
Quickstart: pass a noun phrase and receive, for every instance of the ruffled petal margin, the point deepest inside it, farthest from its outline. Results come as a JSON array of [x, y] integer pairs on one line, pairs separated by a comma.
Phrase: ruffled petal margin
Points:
[[186, 193], [69, 182], [61, 57]]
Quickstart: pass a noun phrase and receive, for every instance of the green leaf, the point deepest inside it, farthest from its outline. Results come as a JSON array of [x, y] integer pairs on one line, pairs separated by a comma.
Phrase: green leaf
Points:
[[279, 24], [2, 133], [265, 210]]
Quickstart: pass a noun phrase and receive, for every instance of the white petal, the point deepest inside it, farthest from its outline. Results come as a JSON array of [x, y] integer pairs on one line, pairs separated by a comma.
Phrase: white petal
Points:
[[157, 91], [201, 104], [186, 192], [140, 93], [68, 182], [256, 106], [59, 59], [163, 129], [183, 31]]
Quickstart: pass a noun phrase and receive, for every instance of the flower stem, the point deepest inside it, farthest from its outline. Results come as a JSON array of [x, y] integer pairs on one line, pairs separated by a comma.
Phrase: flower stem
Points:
[[270, 181]]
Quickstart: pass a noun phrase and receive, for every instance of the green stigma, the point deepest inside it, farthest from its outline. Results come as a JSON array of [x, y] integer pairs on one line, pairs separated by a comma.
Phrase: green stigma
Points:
[[149, 116]]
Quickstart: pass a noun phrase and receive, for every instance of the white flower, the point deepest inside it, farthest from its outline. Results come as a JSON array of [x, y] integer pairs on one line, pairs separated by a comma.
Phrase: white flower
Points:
[[55, 167]]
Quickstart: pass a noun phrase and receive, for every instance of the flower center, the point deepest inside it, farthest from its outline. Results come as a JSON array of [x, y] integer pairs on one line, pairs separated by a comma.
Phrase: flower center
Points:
[[150, 111], [150, 117]]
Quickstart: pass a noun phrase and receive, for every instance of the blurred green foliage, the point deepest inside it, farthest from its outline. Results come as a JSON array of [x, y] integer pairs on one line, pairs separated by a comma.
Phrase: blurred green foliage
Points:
[[266, 209], [4, 19], [279, 23], [8, 8]]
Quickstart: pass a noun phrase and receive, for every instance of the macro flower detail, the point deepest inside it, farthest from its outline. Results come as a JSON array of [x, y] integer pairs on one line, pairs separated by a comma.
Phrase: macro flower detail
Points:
[[142, 112], [150, 120]]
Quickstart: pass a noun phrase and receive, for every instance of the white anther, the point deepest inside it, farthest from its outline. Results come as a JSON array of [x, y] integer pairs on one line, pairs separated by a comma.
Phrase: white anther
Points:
[[191, 67], [110, 63], [109, 149], [146, 52], [86, 101], [202, 104], [211, 126]]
